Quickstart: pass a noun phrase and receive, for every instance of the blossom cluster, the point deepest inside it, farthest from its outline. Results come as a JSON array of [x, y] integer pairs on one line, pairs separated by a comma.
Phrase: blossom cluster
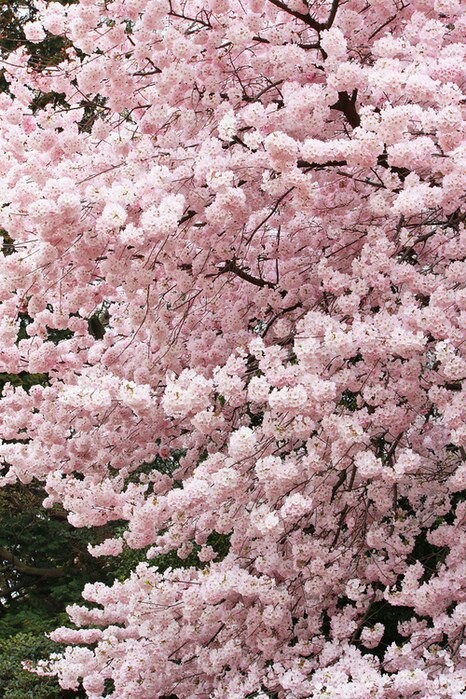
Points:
[[254, 255]]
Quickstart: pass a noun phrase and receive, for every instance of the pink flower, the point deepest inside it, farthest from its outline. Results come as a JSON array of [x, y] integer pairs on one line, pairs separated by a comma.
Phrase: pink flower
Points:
[[34, 32]]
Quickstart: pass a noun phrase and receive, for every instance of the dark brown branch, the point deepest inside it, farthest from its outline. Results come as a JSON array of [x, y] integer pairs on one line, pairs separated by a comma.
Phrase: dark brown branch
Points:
[[309, 47], [231, 266], [190, 213], [222, 626], [61, 515], [341, 479], [144, 73], [262, 92], [306, 18], [320, 166], [26, 569], [402, 172], [280, 314], [341, 521], [395, 502], [260, 39], [382, 26], [347, 105], [332, 15], [388, 458], [377, 185], [454, 385], [424, 237], [194, 20]]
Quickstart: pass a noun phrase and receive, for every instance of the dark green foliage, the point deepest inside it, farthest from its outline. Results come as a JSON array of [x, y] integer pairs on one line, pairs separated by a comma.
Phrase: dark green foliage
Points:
[[429, 555], [255, 419], [53, 335], [98, 322], [389, 615], [32, 604], [39, 540], [17, 683], [24, 321], [57, 336], [96, 327], [220, 544], [36, 540], [122, 566], [354, 360], [8, 246], [349, 400], [51, 51], [23, 380]]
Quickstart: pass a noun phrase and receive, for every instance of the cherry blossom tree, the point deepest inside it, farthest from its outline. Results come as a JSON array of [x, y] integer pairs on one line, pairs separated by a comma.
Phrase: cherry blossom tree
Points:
[[245, 219]]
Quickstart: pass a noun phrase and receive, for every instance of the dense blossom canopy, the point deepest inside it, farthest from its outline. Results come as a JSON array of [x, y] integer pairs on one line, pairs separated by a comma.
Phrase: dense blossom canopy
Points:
[[245, 218]]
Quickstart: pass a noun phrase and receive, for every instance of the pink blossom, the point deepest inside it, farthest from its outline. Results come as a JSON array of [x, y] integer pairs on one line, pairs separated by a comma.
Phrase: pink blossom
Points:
[[34, 31], [249, 217]]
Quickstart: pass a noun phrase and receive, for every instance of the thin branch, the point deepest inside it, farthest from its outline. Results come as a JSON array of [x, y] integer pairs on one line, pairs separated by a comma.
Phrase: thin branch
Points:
[[263, 91], [279, 314], [393, 446], [382, 26], [270, 214]]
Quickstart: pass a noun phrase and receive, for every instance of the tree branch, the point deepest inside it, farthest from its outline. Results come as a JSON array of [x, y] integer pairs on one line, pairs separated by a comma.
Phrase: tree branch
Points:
[[279, 314], [269, 215], [320, 166], [231, 266], [306, 18], [26, 569], [347, 105]]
